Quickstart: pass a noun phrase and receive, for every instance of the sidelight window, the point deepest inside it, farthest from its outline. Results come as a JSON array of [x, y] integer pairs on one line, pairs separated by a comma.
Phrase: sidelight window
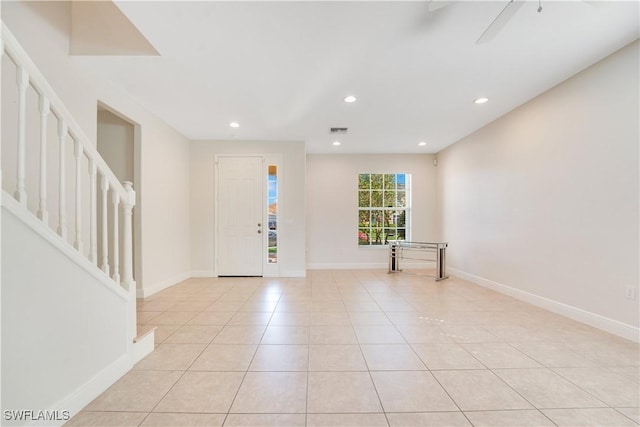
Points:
[[272, 208]]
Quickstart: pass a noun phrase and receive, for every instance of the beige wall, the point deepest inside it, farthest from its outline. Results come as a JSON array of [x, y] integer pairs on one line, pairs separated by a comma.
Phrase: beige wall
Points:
[[332, 206], [115, 143], [164, 205], [544, 201]]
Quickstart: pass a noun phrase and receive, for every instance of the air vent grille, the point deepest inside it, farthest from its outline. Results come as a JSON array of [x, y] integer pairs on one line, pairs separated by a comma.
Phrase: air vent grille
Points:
[[338, 130]]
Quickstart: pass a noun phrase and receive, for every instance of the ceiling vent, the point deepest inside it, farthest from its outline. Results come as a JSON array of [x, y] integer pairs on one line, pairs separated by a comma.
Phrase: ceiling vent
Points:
[[338, 130]]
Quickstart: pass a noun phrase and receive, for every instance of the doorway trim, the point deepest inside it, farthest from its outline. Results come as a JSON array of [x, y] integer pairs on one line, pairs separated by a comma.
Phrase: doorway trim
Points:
[[137, 186]]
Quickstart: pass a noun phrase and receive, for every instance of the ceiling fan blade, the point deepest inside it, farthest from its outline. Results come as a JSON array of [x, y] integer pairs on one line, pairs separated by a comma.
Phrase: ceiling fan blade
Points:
[[501, 20]]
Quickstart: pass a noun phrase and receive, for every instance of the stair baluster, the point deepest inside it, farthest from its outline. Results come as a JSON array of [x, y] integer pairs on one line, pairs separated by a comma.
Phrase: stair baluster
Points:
[[62, 204], [45, 109], [105, 232], [93, 214], [127, 247], [23, 84], [78, 154], [116, 238]]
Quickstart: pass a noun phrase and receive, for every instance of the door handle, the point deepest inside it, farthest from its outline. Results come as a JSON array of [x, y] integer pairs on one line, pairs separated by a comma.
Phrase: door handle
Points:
[[259, 231], [259, 224]]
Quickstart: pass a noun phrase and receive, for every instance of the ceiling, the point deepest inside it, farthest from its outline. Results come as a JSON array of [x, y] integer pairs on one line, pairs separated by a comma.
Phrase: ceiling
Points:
[[282, 69]]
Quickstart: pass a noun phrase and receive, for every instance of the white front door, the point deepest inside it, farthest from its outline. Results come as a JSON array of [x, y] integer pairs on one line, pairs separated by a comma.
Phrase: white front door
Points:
[[240, 211]]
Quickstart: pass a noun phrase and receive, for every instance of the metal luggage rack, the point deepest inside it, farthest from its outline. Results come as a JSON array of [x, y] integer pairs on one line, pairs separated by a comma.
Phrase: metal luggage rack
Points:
[[398, 250]]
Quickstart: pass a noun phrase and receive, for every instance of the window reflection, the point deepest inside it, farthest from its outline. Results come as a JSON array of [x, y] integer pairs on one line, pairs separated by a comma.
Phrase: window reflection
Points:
[[272, 202]]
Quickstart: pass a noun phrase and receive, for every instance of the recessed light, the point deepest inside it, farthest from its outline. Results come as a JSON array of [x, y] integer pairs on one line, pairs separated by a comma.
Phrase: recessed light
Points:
[[349, 99], [234, 124], [336, 143], [480, 100], [422, 143]]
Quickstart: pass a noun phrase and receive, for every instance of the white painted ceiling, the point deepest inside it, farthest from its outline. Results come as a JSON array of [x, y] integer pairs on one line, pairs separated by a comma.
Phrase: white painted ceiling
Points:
[[282, 69]]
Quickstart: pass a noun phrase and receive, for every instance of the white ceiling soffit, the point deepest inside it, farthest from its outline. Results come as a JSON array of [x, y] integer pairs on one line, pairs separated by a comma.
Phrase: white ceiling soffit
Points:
[[282, 69], [100, 28]]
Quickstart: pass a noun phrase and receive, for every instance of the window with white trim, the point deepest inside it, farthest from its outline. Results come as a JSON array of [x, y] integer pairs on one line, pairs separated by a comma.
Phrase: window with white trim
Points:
[[383, 208]]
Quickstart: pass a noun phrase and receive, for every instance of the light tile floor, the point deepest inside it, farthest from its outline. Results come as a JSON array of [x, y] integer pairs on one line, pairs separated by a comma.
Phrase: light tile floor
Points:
[[348, 348]]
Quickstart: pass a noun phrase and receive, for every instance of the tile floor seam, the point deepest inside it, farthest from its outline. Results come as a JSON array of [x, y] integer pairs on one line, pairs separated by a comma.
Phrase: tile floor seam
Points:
[[538, 410], [367, 363], [577, 408], [306, 402], [581, 388], [474, 357], [179, 378], [344, 295], [520, 394], [450, 397], [374, 385], [244, 376], [535, 359], [623, 414], [605, 405]]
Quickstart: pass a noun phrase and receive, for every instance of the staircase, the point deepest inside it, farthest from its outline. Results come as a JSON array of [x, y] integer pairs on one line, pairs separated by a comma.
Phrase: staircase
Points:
[[68, 291]]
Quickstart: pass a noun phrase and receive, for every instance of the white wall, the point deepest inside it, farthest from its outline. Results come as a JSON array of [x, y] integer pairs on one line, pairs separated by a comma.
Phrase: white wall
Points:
[[543, 202], [291, 203], [72, 340], [332, 206], [42, 29]]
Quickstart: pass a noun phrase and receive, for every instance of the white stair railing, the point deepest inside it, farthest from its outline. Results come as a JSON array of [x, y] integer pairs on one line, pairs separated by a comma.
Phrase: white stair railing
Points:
[[110, 247]]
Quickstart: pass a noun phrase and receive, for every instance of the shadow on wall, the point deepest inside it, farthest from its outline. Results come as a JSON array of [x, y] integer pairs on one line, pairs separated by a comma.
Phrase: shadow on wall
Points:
[[56, 13]]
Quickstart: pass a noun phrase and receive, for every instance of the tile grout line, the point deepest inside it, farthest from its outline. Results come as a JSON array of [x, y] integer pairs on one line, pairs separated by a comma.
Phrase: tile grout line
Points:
[[386, 417], [244, 376], [550, 368], [195, 359], [306, 401], [181, 376], [377, 285], [579, 387]]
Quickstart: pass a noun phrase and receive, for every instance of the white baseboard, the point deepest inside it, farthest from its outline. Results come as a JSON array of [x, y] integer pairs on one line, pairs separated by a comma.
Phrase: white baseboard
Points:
[[405, 265], [366, 265], [147, 291], [203, 273], [345, 265], [143, 345], [90, 390], [615, 327], [293, 273]]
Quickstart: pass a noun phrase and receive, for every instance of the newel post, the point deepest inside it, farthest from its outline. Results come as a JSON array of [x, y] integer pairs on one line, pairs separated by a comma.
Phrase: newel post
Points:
[[128, 203]]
